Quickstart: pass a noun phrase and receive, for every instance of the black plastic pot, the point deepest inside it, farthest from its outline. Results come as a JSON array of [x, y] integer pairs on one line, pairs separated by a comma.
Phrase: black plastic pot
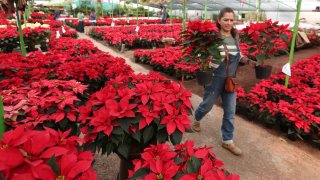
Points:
[[7, 49], [263, 72], [204, 77], [125, 165], [134, 153], [44, 48], [31, 49]]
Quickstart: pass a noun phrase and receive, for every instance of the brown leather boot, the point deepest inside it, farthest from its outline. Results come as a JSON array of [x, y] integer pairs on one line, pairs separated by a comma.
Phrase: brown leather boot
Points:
[[232, 148], [196, 126]]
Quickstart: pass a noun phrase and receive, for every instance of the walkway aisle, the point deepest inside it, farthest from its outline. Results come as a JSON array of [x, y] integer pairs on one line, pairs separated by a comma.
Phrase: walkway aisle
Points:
[[267, 155], [136, 67]]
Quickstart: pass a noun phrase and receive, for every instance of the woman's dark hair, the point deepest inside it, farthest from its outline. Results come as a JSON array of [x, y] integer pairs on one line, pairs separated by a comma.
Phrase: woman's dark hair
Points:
[[221, 14]]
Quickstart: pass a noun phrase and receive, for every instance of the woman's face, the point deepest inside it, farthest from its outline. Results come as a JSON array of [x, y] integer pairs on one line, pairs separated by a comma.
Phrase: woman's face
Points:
[[226, 21]]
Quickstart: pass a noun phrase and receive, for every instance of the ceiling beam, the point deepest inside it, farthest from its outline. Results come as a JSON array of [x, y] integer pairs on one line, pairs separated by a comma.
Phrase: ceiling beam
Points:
[[249, 4], [287, 5]]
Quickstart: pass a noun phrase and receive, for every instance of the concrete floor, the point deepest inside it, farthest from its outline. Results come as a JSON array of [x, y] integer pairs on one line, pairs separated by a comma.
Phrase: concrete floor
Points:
[[267, 154]]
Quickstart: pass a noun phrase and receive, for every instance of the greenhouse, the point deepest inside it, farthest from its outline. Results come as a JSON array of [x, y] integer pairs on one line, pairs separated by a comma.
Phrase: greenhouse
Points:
[[159, 89]]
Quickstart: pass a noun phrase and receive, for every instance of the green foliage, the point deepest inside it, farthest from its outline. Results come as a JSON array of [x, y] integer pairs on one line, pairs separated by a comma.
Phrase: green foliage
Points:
[[43, 9], [8, 44], [118, 10]]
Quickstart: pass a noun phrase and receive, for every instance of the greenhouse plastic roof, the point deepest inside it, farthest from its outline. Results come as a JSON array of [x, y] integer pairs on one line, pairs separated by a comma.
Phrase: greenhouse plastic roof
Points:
[[246, 5]]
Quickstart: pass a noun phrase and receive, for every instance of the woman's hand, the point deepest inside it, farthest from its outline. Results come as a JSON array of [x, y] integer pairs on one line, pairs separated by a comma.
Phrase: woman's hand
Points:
[[252, 63]]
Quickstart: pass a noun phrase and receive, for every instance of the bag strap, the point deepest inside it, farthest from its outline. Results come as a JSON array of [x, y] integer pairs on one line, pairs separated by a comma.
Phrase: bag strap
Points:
[[227, 59]]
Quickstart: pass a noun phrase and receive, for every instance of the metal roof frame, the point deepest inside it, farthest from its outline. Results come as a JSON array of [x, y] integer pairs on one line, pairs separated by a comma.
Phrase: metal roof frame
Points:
[[245, 5]]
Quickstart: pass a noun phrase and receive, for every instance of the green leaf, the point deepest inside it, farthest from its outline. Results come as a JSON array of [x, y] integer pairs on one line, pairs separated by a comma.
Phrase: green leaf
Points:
[[203, 43], [176, 137], [193, 165], [217, 57], [67, 109], [92, 147], [162, 135], [136, 119], [177, 176], [187, 42], [284, 37], [140, 173], [291, 131], [158, 120], [264, 35], [189, 130], [161, 126], [125, 123], [203, 57], [101, 135], [137, 136], [260, 57], [53, 164], [213, 51], [117, 131], [117, 139], [63, 123], [148, 134], [104, 147], [109, 148], [123, 149], [90, 129], [251, 50], [272, 57], [188, 59], [177, 160], [283, 50], [300, 137], [52, 109]]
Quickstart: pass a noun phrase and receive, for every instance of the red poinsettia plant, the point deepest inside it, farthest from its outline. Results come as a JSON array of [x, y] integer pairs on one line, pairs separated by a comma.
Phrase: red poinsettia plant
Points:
[[46, 103], [201, 41], [147, 37], [132, 112], [35, 36], [94, 67], [265, 39], [169, 60], [38, 15], [47, 154], [9, 38], [296, 108], [184, 162]]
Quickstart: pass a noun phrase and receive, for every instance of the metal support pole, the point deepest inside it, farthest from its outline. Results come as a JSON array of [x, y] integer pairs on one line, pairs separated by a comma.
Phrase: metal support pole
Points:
[[22, 46], [206, 10], [184, 15], [112, 10], [2, 125], [293, 41], [259, 10], [137, 13], [171, 1]]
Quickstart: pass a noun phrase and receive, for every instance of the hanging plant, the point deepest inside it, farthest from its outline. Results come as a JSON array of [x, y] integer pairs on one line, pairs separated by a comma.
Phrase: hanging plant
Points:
[[8, 5]]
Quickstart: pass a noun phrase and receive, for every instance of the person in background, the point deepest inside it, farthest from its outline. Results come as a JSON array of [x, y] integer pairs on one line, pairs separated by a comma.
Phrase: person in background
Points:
[[80, 17], [216, 89], [164, 15], [93, 17], [56, 14]]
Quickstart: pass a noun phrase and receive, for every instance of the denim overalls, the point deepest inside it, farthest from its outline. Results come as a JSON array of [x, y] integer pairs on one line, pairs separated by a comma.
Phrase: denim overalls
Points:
[[216, 89]]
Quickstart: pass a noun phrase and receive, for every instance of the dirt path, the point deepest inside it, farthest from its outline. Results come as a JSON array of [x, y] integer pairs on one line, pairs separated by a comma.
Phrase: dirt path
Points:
[[267, 154]]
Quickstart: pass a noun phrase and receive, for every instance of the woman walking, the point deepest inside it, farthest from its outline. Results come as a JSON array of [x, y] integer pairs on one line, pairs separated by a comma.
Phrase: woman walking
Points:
[[216, 89]]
